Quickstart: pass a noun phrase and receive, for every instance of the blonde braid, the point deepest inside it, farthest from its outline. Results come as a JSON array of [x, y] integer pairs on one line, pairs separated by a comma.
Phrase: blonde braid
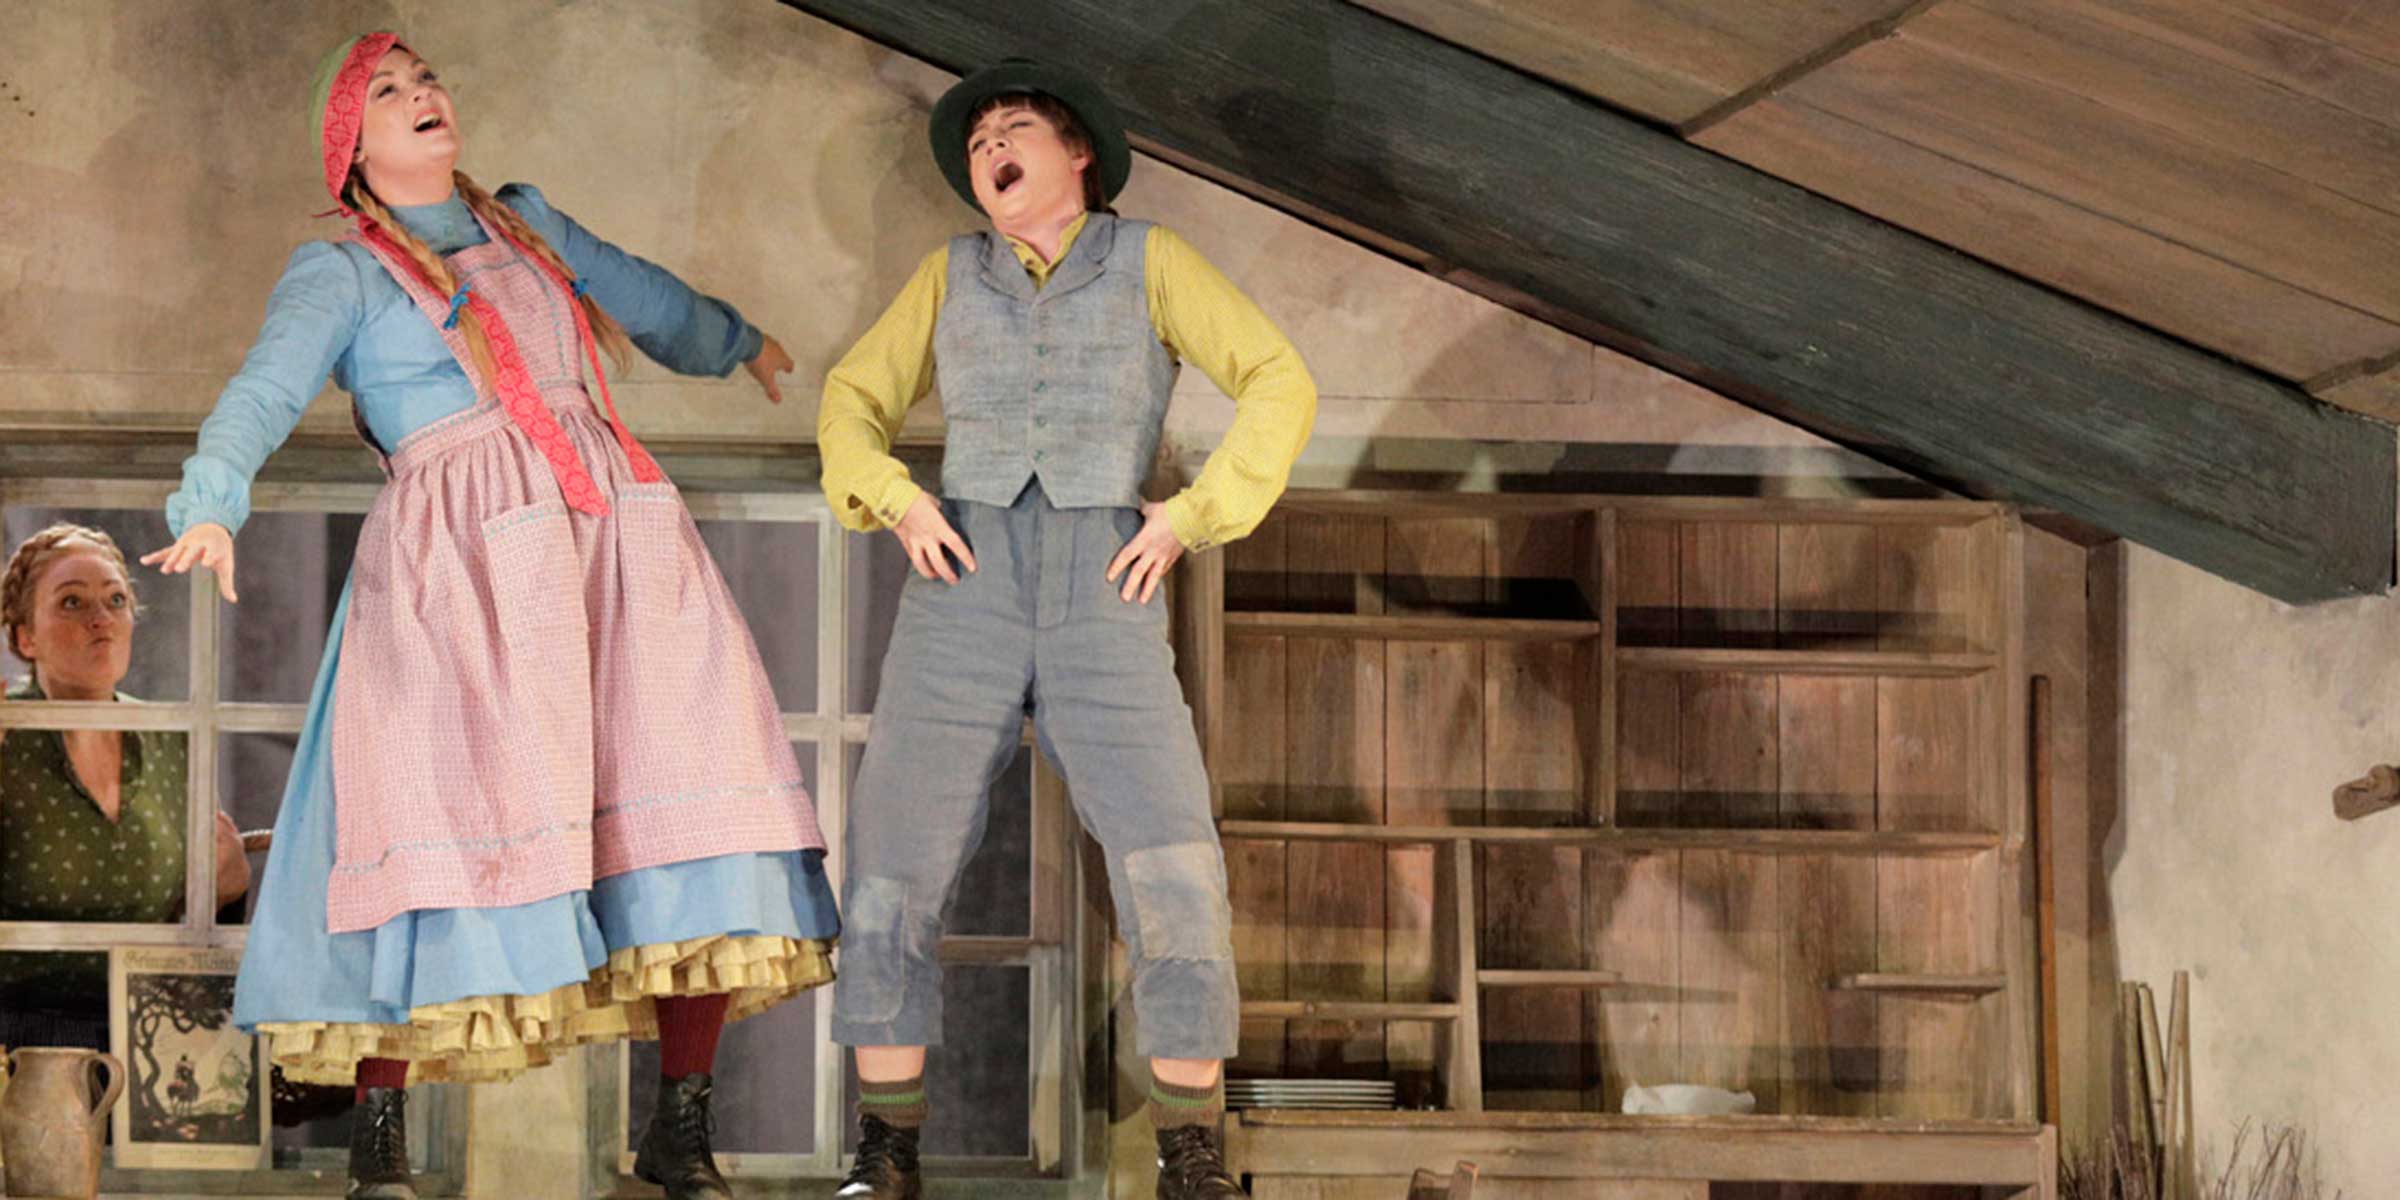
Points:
[[605, 329], [470, 327]]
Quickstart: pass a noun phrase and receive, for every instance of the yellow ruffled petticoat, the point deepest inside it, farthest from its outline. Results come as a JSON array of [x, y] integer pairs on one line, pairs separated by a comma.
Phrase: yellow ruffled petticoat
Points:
[[485, 1039]]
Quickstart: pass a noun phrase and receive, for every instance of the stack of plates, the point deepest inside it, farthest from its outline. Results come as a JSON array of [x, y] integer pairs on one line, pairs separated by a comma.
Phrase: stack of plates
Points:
[[1309, 1093]]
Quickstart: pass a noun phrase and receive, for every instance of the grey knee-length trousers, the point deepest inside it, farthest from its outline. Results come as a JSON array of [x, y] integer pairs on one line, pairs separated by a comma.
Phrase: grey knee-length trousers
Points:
[[1038, 619]]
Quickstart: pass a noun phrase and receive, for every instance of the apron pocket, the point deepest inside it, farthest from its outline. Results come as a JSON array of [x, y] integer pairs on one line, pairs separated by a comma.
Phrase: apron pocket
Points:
[[533, 573]]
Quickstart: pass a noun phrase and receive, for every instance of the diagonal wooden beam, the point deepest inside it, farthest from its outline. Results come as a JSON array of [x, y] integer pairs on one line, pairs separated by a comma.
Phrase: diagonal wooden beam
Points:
[[1861, 331]]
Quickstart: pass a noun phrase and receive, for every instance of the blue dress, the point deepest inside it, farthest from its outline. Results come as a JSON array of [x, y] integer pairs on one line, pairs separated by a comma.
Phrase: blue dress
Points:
[[474, 993]]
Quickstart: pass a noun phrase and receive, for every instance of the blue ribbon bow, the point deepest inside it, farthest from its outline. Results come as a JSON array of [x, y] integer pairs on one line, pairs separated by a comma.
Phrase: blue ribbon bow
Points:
[[457, 302]]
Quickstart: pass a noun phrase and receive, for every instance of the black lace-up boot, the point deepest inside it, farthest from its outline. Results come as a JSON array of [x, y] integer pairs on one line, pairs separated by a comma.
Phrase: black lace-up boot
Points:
[[1191, 1166], [887, 1164], [379, 1148], [676, 1150]]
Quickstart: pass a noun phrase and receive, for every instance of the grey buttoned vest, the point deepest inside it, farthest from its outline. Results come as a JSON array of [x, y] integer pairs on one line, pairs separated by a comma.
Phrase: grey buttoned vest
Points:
[[1067, 384]]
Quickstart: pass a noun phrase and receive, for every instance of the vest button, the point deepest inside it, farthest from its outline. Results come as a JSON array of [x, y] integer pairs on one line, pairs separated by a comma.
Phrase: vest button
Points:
[[1038, 455], [1040, 385], [1038, 422], [1041, 351]]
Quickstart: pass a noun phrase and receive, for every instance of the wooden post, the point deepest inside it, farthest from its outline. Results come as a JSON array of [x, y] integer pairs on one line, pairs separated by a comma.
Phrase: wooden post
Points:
[[2045, 891]]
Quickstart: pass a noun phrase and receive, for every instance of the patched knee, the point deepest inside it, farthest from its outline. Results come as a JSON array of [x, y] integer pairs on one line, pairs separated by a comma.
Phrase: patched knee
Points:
[[878, 941], [1179, 902]]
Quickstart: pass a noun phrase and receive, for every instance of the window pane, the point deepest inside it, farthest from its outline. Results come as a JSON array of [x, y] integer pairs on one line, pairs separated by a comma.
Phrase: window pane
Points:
[[158, 666], [271, 643], [878, 569], [771, 566], [54, 999], [977, 1082], [252, 769], [994, 897]]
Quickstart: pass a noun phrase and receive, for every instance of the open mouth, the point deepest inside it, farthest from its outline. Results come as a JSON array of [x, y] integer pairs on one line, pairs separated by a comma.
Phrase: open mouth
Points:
[[429, 122], [1006, 175]]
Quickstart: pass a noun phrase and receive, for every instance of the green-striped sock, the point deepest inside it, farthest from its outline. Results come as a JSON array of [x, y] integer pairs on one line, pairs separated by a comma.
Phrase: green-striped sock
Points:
[[1173, 1105], [899, 1103]]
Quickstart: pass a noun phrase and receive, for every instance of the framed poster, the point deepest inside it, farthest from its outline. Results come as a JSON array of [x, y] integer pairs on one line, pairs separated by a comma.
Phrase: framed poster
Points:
[[194, 1097]]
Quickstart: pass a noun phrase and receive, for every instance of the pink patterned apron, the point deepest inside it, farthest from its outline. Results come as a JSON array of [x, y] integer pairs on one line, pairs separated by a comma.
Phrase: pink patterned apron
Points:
[[544, 680]]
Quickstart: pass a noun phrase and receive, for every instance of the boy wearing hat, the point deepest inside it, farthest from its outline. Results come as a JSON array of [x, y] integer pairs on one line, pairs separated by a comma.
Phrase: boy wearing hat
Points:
[[1055, 337]]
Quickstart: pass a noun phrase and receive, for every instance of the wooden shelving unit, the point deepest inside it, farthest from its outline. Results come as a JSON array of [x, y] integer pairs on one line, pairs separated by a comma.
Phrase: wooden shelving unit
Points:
[[1529, 798]]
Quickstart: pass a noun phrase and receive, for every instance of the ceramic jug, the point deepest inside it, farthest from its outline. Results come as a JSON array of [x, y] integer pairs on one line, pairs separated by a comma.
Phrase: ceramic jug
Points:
[[52, 1119]]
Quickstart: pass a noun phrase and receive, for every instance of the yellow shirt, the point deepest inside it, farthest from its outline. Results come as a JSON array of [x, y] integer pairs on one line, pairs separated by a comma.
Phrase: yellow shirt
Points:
[[1199, 315]]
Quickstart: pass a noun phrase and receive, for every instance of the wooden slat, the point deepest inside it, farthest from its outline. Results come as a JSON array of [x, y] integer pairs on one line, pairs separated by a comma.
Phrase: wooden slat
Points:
[[1334, 743], [1437, 564], [1925, 777], [2239, 311], [1637, 1028], [1634, 899], [1533, 910], [2364, 25], [1404, 628], [1932, 916], [2147, 81], [1347, 1011], [1926, 578], [1833, 318], [1879, 981], [1670, 60], [1878, 1128], [1726, 586], [1433, 751], [1746, 841], [1254, 873], [1586, 1146], [1334, 564], [1560, 979], [1729, 965], [1825, 587], [1465, 1056], [1596, 716], [2377, 395], [2215, 201], [1807, 662], [2267, 46], [1255, 574], [1249, 772], [1828, 754]]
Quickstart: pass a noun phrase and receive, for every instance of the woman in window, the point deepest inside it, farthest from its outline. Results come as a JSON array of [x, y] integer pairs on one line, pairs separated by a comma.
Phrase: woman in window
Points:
[[91, 820], [544, 794]]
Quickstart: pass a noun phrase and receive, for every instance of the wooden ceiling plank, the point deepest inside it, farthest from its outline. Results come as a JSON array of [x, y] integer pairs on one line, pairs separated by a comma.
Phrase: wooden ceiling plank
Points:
[[1641, 60], [2368, 26], [2144, 175], [2266, 49], [1673, 61], [2059, 44], [1882, 26], [2377, 396], [2164, 284]]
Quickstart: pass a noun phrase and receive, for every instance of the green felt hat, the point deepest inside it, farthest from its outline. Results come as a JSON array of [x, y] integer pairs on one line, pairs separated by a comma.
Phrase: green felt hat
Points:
[[1016, 76]]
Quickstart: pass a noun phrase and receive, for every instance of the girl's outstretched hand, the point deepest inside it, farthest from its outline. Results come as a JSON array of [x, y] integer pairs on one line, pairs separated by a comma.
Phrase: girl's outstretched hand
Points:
[[203, 545]]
